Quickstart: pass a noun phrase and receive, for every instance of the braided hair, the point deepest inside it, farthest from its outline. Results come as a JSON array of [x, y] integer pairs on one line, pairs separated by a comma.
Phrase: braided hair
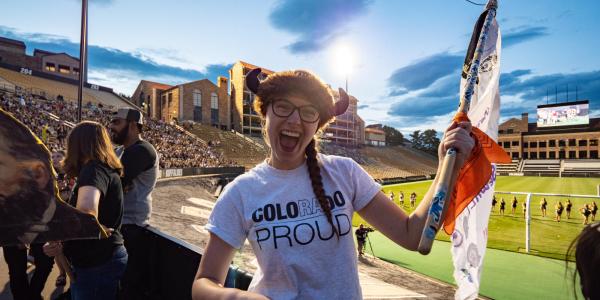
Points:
[[306, 84]]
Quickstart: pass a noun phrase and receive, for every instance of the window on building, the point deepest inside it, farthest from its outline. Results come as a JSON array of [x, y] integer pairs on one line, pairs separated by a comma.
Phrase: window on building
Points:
[[542, 144], [542, 155], [582, 142], [561, 143], [594, 154], [533, 144], [515, 143], [510, 131], [572, 142], [197, 100], [593, 142], [572, 154], [76, 71], [500, 131], [552, 143], [561, 154], [533, 155], [506, 144], [214, 108], [583, 154], [552, 155], [525, 145], [526, 155], [197, 96], [64, 69], [50, 67]]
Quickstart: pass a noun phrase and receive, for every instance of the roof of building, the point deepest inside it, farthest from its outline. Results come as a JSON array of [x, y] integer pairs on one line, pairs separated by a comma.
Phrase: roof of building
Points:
[[17, 43], [45, 53], [158, 85], [251, 66]]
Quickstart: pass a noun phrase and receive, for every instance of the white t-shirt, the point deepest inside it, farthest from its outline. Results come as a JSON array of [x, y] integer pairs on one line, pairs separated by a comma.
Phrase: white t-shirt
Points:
[[298, 255]]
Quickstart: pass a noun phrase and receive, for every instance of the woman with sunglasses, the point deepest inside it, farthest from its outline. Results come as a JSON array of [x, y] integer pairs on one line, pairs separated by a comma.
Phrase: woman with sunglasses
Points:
[[296, 207]]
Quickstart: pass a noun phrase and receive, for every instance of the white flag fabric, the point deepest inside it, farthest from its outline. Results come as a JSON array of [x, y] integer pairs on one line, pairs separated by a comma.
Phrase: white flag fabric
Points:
[[469, 238]]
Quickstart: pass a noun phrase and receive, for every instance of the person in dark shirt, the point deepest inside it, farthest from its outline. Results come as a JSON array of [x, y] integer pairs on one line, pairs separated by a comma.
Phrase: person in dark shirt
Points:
[[494, 201], [568, 206], [559, 209], [514, 204], [140, 163], [98, 264], [361, 238], [543, 205], [502, 205], [594, 211]]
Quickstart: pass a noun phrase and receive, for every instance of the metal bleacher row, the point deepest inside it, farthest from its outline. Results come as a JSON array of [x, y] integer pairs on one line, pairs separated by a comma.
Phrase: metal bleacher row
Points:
[[551, 167]]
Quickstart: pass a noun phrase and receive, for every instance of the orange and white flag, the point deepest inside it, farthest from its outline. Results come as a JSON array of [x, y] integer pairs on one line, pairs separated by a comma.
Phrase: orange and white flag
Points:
[[469, 209]]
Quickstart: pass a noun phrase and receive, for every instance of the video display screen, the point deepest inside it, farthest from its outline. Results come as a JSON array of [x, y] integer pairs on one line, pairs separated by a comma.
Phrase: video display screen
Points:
[[576, 113]]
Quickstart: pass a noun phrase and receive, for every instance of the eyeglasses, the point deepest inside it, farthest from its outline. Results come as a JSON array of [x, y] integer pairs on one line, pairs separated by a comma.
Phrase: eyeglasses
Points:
[[283, 108]]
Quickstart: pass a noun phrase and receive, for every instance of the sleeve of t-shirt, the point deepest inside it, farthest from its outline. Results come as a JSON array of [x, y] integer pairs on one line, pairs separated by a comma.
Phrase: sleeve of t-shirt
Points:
[[365, 187], [139, 159], [226, 219], [92, 175]]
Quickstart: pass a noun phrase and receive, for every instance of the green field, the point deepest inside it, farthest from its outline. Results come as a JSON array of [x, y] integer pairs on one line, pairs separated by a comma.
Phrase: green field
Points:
[[508, 273], [548, 237]]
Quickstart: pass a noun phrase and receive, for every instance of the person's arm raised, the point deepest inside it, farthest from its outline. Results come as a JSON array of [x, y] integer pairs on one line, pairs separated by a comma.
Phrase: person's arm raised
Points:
[[212, 271], [392, 221]]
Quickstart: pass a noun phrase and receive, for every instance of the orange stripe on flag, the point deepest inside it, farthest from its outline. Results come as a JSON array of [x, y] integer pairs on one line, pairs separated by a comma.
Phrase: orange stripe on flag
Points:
[[474, 174]]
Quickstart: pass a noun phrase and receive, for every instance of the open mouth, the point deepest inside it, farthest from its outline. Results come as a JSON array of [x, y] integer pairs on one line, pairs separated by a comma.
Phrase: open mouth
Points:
[[289, 140]]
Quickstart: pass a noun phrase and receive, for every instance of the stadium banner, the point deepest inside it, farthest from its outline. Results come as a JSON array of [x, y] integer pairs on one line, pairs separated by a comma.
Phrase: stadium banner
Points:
[[31, 210], [469, 237]]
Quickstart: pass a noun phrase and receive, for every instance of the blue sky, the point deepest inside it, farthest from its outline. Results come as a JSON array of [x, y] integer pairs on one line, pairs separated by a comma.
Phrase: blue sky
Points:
[[407, 54]]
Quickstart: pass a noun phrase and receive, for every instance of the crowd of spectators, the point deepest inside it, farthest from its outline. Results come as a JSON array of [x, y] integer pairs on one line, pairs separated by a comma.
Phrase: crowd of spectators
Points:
[[50, 120]]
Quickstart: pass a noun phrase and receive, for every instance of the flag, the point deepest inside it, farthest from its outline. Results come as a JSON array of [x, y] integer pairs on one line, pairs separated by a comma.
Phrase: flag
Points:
[[469, 209]]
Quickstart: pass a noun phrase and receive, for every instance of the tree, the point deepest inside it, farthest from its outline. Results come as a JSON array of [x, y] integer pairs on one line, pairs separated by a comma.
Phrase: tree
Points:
[[415, 138], [430, 141], [393, 137]]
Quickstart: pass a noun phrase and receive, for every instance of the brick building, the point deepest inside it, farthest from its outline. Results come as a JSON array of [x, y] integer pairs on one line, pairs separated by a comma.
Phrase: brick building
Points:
[[374, 135], [243, 117], [13, 52], [200, 101], [524, 140]]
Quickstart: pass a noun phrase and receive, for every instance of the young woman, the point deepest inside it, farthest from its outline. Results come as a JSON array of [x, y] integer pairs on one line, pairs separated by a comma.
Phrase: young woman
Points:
[[514, 204], [502, 205], [97, 264], [587, 259], [568, 205], [559, 209], [296, 207], [64, 192], [543, 205]]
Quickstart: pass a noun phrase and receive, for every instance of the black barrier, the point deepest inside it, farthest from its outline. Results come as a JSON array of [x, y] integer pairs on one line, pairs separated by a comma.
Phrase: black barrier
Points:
[[173, 267], [396, 180], [166, 173]]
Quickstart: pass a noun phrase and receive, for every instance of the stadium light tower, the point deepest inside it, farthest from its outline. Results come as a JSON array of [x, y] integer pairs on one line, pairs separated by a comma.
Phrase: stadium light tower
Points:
[[82, 57]]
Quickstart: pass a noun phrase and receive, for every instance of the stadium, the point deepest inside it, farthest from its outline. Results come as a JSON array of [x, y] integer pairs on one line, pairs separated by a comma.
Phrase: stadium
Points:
[[208, 134]]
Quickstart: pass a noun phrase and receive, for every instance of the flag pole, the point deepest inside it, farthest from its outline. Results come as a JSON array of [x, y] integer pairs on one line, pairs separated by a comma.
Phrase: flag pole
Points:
[[443, 190], [82, 57]]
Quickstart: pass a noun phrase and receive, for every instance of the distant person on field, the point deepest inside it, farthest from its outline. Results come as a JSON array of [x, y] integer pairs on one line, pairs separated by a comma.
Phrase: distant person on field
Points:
[[569, 205], [543, 205], [401, 198], [392, 196], [494, 201], [524, 209], [413, 199], [585, 212], [587, 261], [502, 205], [514, 205], [559, 209], [594, 211]]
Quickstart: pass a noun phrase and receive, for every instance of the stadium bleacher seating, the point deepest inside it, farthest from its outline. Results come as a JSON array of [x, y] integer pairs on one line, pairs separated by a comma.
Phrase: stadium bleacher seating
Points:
[[505, 169], [542, 167], [581, 167], [51, 89]]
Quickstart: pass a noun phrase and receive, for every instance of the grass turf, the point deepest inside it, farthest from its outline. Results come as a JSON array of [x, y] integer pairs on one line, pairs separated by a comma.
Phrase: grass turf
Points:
[[506, 275], [548, 237]]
